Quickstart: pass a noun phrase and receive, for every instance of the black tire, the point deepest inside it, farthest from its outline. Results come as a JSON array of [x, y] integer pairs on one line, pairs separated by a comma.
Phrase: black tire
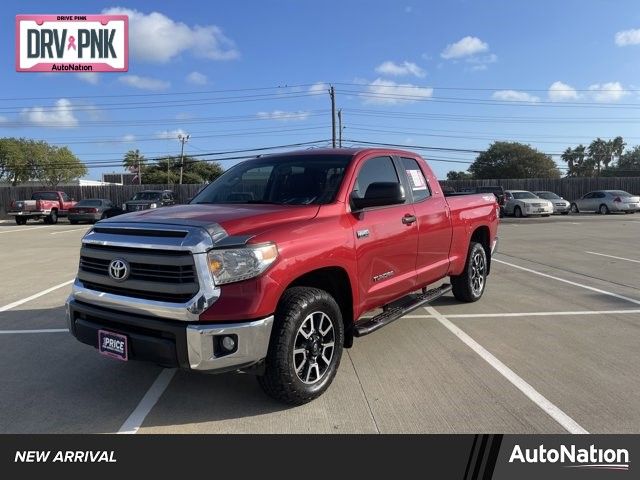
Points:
[[468, 287], [21, 221], [574, 208], [53, 217], [564, 213], [517, 212], [73, 222], [280, 379], [545, 215], [603, 211]]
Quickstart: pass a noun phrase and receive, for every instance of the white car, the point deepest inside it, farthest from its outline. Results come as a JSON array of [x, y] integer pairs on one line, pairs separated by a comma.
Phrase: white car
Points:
[[521, 203]]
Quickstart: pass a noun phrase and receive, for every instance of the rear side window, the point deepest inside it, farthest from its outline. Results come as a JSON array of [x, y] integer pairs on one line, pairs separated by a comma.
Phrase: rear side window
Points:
[[65, 197], [417, 182], [379, 169]]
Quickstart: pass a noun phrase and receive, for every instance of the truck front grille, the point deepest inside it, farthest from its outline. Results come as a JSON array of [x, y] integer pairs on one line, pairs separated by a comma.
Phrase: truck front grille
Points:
[[154, 274]]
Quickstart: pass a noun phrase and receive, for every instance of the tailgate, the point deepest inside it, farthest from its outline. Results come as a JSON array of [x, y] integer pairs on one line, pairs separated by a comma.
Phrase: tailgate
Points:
[[25, 205]]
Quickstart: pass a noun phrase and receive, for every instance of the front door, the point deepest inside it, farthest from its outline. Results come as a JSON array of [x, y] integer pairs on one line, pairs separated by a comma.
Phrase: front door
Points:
[[386, 242]]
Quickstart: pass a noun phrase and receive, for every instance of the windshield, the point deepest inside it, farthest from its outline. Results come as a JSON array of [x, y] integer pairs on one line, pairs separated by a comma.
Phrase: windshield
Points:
[[89, 203], [523, 195], [146, 196], [547, 195], [620, 193], [282, 180]]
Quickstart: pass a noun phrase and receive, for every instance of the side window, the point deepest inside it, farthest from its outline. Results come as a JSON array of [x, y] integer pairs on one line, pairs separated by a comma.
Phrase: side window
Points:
[[417, 182], [379, 169], [65, 197], [600, 195]]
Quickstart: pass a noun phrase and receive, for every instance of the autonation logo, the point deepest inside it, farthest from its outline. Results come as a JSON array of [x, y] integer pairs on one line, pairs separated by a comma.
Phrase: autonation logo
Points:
[[573, 457]]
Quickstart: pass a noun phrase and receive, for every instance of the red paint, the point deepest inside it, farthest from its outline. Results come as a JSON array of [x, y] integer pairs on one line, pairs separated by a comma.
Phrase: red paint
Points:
[[314, 237]]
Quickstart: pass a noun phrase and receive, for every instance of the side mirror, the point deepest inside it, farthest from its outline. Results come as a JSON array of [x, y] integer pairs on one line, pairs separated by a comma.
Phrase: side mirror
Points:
[[378, 194]]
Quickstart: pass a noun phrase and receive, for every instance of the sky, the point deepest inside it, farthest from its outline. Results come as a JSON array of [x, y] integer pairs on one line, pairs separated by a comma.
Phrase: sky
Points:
[[443, 78]]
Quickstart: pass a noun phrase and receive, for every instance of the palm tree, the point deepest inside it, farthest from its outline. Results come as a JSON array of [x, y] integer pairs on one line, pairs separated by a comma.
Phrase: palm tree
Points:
[[134, 161]]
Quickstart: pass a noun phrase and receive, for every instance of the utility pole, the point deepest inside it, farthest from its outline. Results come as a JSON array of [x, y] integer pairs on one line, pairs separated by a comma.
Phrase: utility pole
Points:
[[183, 139], [340, 127], [332, 94]]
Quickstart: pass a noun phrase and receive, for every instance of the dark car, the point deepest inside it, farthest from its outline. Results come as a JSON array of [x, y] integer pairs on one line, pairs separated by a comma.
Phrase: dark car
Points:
[[92, 209], [149, 199]]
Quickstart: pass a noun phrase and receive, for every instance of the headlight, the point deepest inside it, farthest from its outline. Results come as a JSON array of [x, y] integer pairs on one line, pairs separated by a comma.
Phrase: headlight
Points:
[[124, 206], [237, 264], [153, 205]]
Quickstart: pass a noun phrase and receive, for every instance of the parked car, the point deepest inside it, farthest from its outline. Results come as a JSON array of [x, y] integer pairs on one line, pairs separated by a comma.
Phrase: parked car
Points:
[[47, 205], [147, 199], [521, 203], [607, 201], [276, 283], [93, 209], [560, 205]]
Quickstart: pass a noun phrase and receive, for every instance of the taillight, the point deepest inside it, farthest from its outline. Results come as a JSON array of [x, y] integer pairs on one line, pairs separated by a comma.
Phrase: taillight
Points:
[[617, 199], [92, 210]]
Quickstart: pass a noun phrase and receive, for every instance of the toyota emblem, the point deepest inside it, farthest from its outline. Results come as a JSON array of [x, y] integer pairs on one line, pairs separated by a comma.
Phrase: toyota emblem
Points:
[[119, 269]]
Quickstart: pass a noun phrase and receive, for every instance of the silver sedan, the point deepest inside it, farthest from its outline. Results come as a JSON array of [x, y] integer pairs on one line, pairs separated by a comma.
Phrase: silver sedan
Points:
[[607, 201], [560, 205], [521, 203]]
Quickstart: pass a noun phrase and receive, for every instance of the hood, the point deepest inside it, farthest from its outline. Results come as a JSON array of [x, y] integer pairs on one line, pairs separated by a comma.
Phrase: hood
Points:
[[235, 219]]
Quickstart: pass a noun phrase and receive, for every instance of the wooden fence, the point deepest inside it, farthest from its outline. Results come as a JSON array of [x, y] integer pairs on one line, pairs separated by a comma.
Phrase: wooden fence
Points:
[[115, 193], [569, 188]]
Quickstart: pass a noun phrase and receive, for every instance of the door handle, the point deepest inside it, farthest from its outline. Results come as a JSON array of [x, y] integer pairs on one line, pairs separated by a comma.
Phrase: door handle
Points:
[[409, 219]]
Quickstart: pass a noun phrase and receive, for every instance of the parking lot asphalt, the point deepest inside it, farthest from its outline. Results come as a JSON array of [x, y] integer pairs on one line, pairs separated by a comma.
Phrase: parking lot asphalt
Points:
[[550, 348]]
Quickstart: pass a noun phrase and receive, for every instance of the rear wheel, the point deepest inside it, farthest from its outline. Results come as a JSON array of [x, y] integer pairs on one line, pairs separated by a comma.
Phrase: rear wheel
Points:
[[305, 347], [469, 286], [603, 209], [517, 212], [21, 221]]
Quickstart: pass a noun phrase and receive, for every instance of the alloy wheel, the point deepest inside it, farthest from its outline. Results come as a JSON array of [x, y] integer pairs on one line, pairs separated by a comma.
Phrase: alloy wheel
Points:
[[313, 347]]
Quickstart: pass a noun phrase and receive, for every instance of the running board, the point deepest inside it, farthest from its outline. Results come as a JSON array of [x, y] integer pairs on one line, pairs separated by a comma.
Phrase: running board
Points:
[[399, 309]]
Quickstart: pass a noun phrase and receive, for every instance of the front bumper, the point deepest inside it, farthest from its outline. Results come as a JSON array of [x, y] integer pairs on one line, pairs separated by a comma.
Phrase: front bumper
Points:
[[191, 346]]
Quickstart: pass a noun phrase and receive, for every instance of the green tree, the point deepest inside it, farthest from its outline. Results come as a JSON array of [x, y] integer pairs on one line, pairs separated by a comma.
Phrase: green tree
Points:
[[453, 175], [167, 170], [513, 160], [579, 164], [134, 162], [59, 165], [628, 164]]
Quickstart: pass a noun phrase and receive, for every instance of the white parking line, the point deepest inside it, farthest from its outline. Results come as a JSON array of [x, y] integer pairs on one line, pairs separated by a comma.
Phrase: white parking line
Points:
[[576, 284], [65, 231], [24, 229], [34, 296], [613, 256], [132, 424], [534, 314], [552, 410], [44, 330]]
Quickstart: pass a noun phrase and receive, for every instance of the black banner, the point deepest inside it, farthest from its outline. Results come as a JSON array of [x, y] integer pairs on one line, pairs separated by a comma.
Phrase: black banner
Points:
[[467, 457]]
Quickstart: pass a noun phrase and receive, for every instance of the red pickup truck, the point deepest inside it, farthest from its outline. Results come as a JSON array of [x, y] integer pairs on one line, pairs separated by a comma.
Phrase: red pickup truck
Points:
[[272, 268], [47, 205]]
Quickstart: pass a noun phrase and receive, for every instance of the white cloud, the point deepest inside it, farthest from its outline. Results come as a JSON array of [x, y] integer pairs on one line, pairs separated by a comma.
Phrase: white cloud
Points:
[[170, 134], [465, 47], [283, 116], [319, 87], [59, 116], [90, 77], [628, 37], [3, 119], [144, 83], [607, 92], [154, 37], [560, 92], [129, 137], [401, 69], [514, 96], [387, 92], [197, 78]]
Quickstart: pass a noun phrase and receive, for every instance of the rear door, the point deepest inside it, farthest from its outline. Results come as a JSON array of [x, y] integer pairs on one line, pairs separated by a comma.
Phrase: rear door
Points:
[[386, 241], [433, 220]]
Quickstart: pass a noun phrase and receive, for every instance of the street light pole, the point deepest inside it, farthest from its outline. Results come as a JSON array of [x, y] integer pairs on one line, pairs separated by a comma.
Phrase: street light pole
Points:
[[183, 139]]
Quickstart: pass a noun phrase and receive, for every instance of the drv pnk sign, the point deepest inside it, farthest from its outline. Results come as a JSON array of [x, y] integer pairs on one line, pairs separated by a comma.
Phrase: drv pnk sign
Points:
[[72, 43]]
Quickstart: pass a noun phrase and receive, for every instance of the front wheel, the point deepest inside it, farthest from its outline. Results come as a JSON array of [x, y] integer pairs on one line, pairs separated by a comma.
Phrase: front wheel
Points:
[[53, 217], [517, 212], [305, 347], [574, 208], [604, 210], [469, 286]]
